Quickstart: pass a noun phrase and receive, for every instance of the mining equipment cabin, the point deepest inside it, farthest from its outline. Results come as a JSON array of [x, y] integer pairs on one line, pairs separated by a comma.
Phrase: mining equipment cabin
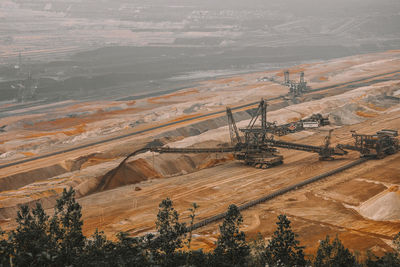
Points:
[[378, 145]]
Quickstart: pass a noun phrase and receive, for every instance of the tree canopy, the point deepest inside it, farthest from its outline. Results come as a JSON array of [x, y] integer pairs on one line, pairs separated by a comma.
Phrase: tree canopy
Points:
[[57, 240]]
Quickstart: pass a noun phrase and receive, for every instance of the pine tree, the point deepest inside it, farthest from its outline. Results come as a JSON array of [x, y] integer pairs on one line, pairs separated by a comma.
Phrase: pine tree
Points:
[[98, 251], [389, 259], [257, 251], [188, 242], [30, 241], [232, 248], [6, 249], [283, 249], [66, 228], [134, 251], [192, 215], [170, 233], [333, 254]]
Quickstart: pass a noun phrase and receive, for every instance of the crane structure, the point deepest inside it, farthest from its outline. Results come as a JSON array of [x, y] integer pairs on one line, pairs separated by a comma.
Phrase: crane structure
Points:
[[233, 131], [254, 150], [257, 147]]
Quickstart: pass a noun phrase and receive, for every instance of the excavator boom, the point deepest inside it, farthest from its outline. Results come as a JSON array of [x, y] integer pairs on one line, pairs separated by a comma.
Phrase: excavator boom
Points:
[[233, 130]]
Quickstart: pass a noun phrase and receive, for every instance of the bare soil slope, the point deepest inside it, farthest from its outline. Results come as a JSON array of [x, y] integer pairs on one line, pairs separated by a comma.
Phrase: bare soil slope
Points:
[[354, 93]]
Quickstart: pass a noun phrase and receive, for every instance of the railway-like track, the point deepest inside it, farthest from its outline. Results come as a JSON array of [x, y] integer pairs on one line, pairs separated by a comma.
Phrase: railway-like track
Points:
[[279, 192]]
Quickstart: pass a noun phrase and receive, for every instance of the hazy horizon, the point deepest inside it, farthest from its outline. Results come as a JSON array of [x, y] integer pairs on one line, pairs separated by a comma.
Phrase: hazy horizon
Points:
[[83, 49]]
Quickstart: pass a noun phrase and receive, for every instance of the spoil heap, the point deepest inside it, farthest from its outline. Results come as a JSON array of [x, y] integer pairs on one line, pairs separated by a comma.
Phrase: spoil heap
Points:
[[383, 207]]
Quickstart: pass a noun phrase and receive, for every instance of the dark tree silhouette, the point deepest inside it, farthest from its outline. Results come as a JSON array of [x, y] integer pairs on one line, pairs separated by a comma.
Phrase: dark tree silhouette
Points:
[[41, 240], [333, 254], [389, 259], [66, 228], [232, 248], [283, 249], [30, 241], [170, 233]]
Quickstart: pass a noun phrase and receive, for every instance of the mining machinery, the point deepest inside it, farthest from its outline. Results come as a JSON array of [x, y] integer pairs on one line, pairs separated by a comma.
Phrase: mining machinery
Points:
[[257, 147], [377, 145], [26, 88], [302, 83], [254, 150], [233, 130], [314, 121], [287, 80], [295, 88], [325, 152]]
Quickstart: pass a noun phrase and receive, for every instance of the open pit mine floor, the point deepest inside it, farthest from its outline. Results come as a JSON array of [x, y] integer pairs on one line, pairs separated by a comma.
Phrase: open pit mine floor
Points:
[[78, 144], [329, 206], [344, 86]]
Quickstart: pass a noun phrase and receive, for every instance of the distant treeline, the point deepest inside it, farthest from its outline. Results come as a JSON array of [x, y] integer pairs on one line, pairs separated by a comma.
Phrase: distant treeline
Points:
[[57, 240]]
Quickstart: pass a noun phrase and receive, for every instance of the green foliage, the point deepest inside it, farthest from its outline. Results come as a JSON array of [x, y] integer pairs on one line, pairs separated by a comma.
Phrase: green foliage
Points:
[[396, 242], [232, 248], [133, 251], [257, 251], [170, 233], [41, 240], [283, 249], [66, 228], [389, 259], [6, 249], [98, 251], [333, 254], [192, 215], [31, 243]]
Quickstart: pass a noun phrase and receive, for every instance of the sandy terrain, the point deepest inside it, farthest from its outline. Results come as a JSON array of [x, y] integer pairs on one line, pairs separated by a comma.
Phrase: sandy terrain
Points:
[[28, 135], [360, 204]]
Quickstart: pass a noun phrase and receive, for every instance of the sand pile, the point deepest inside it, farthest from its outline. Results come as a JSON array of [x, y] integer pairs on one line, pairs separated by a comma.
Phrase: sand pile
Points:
[[383, 207]]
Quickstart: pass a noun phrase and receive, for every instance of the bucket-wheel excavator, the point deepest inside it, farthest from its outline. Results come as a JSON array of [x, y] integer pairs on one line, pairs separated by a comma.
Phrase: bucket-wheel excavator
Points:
[[254, 150], [257, 146]]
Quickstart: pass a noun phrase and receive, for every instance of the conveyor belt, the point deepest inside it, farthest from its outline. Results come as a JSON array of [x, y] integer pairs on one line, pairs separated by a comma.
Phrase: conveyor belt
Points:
[[295, 146], [279, 192], [192, 150]]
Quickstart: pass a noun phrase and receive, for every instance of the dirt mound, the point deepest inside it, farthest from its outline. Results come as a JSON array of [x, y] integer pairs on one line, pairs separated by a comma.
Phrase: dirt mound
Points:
[[76, 164], [346, 115], [18, 180], [146, 166], [384, 207], [134, 172]]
